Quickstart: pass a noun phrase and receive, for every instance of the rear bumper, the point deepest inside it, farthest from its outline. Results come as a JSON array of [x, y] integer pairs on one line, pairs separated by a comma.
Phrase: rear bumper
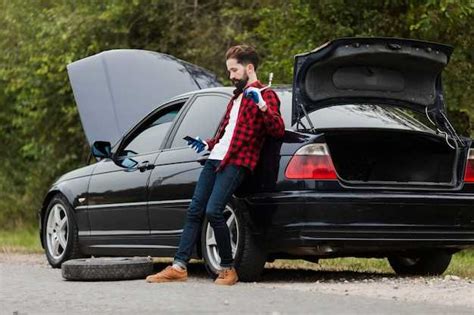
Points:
[[363, 221]]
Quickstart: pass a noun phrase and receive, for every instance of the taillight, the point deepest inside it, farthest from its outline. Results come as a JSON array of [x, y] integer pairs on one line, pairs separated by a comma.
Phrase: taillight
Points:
[[469, 175], [311, 162]]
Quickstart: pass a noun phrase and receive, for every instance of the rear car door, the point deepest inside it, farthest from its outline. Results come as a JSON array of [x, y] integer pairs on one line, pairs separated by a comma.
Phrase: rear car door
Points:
[[176, 172], [118, 196]]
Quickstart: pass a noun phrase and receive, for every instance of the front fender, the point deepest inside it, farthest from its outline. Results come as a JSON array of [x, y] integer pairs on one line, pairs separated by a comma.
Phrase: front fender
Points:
[[75, 191]]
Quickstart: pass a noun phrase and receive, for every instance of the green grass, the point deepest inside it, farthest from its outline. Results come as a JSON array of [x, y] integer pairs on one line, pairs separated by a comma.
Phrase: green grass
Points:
[[462, 265], [20, 241]]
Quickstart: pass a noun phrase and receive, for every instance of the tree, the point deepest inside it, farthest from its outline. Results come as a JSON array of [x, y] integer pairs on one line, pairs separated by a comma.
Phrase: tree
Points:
[[40, 132]]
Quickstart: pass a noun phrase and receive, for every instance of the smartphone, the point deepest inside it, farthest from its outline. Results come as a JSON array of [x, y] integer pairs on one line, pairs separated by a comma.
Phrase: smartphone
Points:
[[188, 138]]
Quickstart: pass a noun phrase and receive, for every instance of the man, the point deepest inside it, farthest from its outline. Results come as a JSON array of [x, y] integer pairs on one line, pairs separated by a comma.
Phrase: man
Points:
[[251, 116]]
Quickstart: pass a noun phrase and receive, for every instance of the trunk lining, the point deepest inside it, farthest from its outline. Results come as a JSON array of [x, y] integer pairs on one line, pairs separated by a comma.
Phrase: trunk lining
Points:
[[370, 156]]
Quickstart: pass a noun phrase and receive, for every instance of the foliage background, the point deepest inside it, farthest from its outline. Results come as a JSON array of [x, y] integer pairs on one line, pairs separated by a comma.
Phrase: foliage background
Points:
[[40, 132]]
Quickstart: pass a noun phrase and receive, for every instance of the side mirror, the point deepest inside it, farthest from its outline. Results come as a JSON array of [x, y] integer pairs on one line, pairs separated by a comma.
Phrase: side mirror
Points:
[[102, 149]]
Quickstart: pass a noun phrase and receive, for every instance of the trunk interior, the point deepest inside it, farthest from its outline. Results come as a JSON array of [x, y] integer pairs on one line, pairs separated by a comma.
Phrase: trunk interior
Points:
[[391, 156]]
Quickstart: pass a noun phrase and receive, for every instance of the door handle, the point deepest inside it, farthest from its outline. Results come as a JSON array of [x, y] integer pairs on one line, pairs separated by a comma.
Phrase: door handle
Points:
[[202, 160], [145, 166]]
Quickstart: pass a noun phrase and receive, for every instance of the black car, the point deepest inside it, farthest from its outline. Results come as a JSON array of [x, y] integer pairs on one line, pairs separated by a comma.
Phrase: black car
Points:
[[369, 165]]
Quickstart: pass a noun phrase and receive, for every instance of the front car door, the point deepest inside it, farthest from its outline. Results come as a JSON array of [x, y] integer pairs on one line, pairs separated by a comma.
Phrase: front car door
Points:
[[117, 201], [176, 172]]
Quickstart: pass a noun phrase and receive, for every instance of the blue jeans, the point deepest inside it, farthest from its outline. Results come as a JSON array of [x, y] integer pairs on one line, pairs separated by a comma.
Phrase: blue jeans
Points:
[[212, 193]]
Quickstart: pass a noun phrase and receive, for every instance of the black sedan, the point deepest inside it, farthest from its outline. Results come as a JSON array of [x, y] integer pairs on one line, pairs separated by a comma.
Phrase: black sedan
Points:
[[369, 165]]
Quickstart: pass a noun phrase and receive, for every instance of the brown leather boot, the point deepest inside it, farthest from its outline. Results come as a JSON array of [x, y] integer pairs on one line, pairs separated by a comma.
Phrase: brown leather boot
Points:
[[227, 277], [169, 274]]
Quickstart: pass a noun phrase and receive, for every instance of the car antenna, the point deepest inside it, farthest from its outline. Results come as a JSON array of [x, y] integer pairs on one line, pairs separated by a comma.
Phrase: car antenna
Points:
[[270, 78]]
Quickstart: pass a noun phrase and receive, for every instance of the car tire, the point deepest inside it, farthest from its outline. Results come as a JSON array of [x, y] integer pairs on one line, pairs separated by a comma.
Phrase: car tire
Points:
[[59, 232], [429, 263], [249, 255], [107, 268]]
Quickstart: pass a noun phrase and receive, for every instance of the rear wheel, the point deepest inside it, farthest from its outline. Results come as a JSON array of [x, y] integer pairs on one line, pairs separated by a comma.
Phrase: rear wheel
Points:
[[60, 232], [249, 256], [429, 263]]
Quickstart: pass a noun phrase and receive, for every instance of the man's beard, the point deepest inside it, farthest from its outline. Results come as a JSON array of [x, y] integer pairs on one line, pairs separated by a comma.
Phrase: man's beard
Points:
[[240, 84]]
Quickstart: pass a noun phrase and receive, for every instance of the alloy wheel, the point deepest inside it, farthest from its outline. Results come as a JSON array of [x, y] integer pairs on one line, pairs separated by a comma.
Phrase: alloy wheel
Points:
[[211, 244], [57, 231]]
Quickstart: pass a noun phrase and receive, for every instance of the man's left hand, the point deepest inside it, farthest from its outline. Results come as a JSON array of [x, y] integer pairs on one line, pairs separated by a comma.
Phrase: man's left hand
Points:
[[255, 94]]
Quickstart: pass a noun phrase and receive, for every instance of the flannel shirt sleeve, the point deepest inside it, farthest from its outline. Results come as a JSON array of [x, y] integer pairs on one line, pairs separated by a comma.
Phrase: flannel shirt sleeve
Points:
[[211, 142], [274, 125]]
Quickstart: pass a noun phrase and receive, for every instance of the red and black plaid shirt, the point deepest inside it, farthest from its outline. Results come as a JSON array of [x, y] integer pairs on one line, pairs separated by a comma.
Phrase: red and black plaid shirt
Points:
[[250, 130]]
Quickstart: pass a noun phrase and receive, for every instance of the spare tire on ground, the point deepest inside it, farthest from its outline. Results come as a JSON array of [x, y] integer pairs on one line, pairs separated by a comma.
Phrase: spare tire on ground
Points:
[[107, 268]]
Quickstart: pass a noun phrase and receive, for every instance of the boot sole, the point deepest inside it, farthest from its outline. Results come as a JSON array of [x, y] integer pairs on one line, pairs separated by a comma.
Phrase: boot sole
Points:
[[232, 283], [166, 280]]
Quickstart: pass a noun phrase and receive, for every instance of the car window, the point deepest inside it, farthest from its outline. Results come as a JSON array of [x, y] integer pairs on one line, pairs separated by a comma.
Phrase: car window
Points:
[[202, 119], [285, 106], [151, 136], [368, 116]]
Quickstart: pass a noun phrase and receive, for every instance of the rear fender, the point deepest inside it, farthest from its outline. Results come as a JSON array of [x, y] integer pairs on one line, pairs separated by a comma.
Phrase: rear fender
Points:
[[269, 174]]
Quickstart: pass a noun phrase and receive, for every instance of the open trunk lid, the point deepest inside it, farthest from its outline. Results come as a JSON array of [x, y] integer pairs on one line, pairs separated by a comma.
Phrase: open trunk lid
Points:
[[115, 89], [401, 72]]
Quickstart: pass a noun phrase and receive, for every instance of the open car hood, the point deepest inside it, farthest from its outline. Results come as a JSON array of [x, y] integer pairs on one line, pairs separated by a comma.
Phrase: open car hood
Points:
[[395, 71], [115, 89]]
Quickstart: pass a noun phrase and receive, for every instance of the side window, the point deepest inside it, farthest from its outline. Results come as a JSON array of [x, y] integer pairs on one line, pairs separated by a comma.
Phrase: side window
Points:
[[202, 119], [285, 106], [152, 135]]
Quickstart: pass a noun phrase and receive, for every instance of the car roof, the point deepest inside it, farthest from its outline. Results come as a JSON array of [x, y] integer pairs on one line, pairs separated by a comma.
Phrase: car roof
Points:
[[223, 89]]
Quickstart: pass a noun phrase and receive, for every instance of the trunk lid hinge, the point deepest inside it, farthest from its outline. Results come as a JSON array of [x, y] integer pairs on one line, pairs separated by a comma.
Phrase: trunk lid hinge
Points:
[[438, 118], [300, 123]]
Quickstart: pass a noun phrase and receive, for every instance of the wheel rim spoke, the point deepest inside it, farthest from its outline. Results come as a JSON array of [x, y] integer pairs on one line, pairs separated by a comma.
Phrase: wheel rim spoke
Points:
[[231, 220], [211, 241], [55, 246], [57, 216], [62, 240], [63, 224]]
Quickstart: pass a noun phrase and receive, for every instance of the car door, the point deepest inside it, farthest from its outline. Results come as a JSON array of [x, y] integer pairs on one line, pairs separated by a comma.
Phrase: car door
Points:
[[176, 172], [117, 204]]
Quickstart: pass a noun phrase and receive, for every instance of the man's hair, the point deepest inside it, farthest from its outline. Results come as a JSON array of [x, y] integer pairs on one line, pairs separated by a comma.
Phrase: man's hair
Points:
[[244, 54]]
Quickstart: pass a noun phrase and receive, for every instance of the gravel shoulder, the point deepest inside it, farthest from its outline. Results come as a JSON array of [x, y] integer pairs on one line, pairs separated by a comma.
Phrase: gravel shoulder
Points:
[[29, 285]]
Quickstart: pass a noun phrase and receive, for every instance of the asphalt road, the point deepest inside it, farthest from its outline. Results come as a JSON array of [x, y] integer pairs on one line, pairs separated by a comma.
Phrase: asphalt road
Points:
[[29, 286]]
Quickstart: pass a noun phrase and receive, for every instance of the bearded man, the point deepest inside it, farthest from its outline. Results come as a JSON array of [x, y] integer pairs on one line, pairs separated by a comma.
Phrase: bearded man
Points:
[[252, 114]]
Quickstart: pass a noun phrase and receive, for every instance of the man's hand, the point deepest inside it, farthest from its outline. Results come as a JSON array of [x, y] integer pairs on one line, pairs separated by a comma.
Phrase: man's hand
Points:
[[255, 94], [198, 144]]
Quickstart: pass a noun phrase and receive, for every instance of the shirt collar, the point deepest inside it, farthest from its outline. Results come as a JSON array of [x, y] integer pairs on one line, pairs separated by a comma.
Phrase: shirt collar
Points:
[[256, 84]]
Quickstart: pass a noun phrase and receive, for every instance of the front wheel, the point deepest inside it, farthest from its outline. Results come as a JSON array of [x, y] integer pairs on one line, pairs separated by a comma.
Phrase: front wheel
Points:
[[249, 256], [424, 264], [60, 232]]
